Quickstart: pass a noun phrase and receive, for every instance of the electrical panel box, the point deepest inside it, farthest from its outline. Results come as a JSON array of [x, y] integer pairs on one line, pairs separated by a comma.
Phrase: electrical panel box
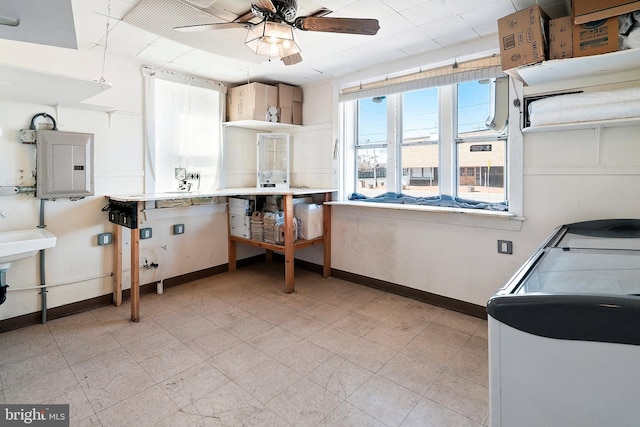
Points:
[[273, 160], [64, 164]]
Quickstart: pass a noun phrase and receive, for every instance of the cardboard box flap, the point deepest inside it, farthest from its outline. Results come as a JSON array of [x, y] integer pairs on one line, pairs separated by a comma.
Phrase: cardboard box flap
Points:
[[590, 10]]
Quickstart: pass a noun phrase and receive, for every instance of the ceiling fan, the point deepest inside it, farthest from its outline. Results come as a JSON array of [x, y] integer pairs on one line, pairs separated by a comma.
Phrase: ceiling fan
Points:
[[271, 23]]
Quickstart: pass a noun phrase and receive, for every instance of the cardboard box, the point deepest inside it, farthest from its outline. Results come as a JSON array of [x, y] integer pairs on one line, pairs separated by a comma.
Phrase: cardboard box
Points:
[[590, 10], [286, 115], [595, 37], [251, 101], [297, 113], [288, 95], [561, 38], [523, 37]]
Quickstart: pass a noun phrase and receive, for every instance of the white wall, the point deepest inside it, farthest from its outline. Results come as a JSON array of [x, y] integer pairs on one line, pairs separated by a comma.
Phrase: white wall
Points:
[[569, 176], [118, 156]]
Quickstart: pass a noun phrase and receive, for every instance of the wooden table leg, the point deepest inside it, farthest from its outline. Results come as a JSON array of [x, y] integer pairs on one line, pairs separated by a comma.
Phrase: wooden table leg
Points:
[[135, 274], [117, 267], [232, 255], [288, 244], [326, 219]]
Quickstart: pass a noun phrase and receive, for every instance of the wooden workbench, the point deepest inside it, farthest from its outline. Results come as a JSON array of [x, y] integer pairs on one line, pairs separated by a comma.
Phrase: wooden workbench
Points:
[[288, 248]]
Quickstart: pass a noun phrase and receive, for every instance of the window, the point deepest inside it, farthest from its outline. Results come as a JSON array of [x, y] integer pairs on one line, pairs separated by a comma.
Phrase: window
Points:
[[183, 130], [447, 140]]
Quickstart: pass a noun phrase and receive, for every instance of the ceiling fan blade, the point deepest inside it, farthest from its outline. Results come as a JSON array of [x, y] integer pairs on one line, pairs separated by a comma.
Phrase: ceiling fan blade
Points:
[[367, 27], [292, 59], [207, 27], [266, 5]]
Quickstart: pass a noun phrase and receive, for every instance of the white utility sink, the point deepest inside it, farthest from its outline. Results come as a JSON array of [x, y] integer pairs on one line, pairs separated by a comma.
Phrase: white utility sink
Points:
[[18, 244]]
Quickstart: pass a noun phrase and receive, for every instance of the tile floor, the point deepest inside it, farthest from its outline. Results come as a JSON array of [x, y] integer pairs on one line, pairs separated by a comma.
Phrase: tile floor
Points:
[[234, 350]]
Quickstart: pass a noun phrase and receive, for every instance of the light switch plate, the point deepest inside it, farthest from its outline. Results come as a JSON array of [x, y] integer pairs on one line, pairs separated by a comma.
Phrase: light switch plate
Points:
[[146, 233], [505, 247], [178, 229]]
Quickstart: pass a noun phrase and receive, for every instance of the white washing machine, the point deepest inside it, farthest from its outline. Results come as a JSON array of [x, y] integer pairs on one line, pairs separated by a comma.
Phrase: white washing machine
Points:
[[564, 333]]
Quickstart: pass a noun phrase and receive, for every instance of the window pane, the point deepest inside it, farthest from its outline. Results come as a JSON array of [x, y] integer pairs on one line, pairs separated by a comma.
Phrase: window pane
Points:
[[476, 109], [481, 171], [419, 151], [372, 171], [372, 120]]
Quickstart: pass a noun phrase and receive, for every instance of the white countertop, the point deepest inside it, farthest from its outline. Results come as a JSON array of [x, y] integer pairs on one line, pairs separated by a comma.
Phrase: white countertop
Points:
[[224, 192]]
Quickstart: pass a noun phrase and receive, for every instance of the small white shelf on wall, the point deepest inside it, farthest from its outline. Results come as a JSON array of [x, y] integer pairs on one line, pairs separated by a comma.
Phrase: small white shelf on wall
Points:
[[261, 125]]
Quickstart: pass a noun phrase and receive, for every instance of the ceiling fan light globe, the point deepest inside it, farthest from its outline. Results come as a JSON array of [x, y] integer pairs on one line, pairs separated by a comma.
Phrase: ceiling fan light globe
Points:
[[273, 39]]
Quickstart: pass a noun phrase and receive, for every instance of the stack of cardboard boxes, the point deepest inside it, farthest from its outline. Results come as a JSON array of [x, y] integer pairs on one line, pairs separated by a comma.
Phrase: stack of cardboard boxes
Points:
[[258, 101], [240, 211], [529, 36]]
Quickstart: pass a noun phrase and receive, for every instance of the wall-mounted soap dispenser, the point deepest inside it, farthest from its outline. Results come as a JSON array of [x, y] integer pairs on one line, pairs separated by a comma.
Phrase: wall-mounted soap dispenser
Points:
[[64, 164]]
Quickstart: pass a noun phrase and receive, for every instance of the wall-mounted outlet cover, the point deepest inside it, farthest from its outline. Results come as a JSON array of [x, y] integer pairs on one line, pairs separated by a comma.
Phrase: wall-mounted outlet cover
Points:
[[105, 239], [505, 247], [146, 233], [178, 228]]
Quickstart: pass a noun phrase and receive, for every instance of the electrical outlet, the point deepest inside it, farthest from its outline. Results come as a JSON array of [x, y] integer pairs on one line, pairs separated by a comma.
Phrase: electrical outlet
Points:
[[178, 229], [146, 233], [193, 176], [505, 247], [105, 239]]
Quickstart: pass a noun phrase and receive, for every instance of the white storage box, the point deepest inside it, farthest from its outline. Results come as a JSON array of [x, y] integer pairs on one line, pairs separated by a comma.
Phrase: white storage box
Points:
[[239, 220], [310, 218], [240, 231], [241, 206]]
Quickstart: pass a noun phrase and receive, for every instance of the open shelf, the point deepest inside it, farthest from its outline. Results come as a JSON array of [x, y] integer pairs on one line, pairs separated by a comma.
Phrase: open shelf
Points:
[[298, 244], [261, 125]]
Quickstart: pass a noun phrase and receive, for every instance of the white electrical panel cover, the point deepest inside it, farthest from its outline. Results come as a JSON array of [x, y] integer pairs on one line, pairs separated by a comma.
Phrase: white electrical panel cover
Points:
[[273, 160], [64, 164]]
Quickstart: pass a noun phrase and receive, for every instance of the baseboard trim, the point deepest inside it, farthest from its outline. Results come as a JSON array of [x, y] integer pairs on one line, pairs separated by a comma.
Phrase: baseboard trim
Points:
[[105, 300], [417, 294]]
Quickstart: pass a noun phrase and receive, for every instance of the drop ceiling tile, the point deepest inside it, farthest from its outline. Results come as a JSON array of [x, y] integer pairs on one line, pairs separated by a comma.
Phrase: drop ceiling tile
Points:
[[448, 26], [126, 33], [158, 55], [489, 13], [464, 6], [426, 12], [402, 6]]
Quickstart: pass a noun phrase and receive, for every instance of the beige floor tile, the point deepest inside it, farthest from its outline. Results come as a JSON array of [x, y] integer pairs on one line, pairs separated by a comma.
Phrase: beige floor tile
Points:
[[462, 322], [213, 343], [333, 339], [231, 406], [22, 335], [477, 345], [391, 337], [111, 378], [42, 388], [356, 323], [189, 331], [82, 350], [414, 374], [27, 370], [471, 367], [340, 376], [151, 346], [368, 354], [92, 421], [429, 414], [65, 335], [327, 313], [170, 362], [432, 352], [303, 326], [303, 357], [274, 341], [79, 406], [384, 400], [249, 327], [40, 344], [278, 314], [347, 415], [174, 318], [193, 384], [267, 380], [133, 332], [151, 405], [257, 305], [238, 360], [177, 419], [461, 396], [393, 301], [304, 403], [446, 335], [209, 306], [155, 305]]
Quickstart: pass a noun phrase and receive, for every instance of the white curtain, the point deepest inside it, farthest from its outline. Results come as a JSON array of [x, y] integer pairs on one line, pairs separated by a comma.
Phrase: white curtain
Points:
[[183, 128]]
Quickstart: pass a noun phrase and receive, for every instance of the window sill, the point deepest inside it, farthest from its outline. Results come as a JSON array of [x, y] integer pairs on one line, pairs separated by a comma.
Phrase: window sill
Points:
[[456, 216]]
